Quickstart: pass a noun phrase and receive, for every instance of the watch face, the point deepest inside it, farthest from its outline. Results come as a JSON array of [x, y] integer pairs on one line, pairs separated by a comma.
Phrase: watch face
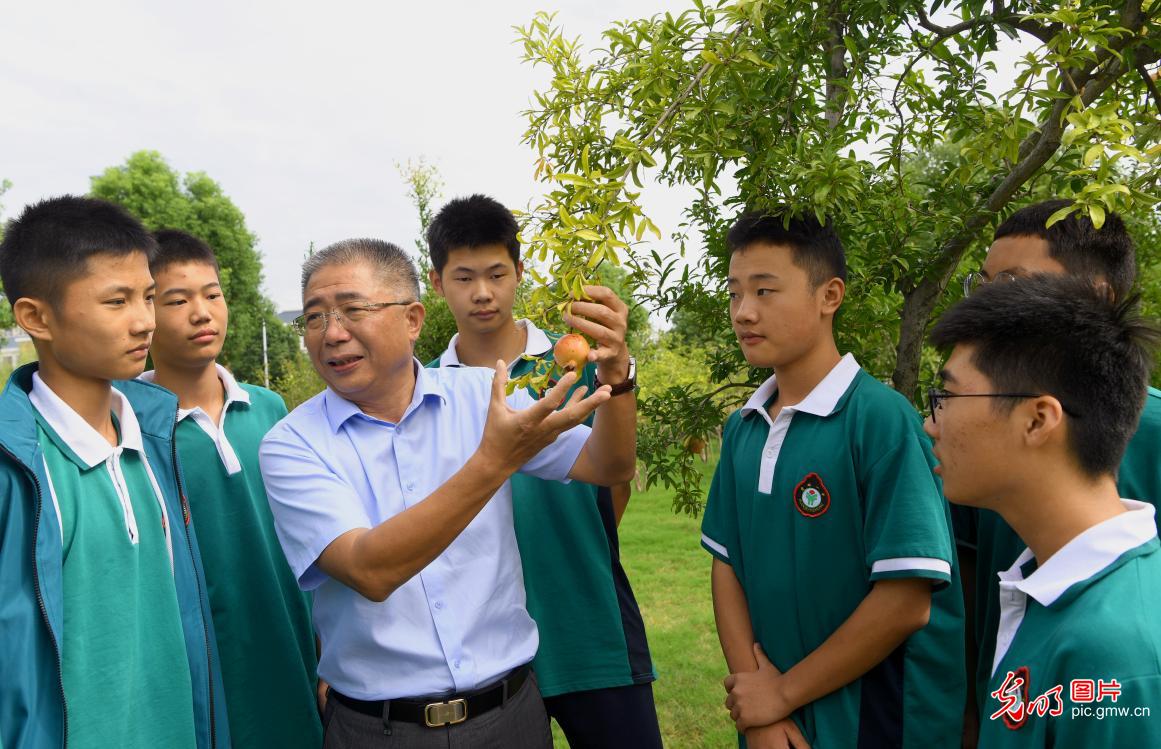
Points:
[[630, 382], [626, 385]]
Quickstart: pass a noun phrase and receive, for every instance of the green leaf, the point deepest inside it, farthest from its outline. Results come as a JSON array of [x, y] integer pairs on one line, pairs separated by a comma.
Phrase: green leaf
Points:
[[573, 179], [1097, 214], [1092, 154], [1061, 214], [750, 55]]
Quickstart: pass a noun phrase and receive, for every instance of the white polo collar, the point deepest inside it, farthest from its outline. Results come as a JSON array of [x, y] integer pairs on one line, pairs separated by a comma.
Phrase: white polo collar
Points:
[[234, 391], [537, 344], [1084, 556], [820, 401], [86, 442]]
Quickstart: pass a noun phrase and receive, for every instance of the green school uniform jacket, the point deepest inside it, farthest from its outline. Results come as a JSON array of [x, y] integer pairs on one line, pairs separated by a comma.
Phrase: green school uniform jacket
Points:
[[33, 712], [813, 507]]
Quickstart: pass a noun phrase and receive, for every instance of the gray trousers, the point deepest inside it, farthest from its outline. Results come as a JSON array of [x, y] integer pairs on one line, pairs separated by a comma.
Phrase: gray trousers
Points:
[[520, 723]]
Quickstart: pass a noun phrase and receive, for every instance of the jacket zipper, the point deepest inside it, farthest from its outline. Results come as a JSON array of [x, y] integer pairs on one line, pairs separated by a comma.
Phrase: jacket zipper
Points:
[[201, 595], [40, 597]]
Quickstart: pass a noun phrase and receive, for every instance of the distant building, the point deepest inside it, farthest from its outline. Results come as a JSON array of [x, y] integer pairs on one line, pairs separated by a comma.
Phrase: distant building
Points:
[[10, 343], [287, 317]]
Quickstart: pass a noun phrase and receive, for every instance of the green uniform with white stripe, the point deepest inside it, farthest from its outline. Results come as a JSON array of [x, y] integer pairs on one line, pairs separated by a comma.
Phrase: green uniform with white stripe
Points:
[[261, 617], [810, 509], [591, 632], [1093, 619], [126, 675], [572, 573], [997, 545]]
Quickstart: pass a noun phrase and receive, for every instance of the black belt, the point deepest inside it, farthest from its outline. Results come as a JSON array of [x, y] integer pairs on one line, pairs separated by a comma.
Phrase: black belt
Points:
[[448, 710]]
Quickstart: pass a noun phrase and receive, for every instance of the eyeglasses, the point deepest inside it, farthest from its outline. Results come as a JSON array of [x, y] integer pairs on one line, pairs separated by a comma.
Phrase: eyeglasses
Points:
[[936, 397], [976, 280], [314, 323]]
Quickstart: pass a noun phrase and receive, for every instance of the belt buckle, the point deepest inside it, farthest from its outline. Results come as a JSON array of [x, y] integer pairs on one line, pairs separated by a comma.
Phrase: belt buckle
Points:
[[438, 714]]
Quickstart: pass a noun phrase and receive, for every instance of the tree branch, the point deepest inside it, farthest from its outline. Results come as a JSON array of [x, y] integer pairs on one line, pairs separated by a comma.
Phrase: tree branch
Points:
[[1151, 85], [1033, 28], [836, 68], [1000, 15], [668, 113], [945, 31], [728, 386]]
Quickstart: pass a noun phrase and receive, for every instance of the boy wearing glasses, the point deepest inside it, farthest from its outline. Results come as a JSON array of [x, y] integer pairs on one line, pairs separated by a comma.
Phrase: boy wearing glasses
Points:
[[1025, 246], [261, 618], [1078, 634], [834, 581], [593, 665]]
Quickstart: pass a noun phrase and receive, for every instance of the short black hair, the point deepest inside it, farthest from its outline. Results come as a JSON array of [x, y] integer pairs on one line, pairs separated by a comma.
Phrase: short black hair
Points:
[[49, 245], [815, 246], [1060, 335], [176, 246], [471, 222], [1075, 243]]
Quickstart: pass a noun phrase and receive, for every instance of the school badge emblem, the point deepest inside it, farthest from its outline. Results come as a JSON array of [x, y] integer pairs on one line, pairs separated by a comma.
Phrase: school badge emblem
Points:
[[811, 496]]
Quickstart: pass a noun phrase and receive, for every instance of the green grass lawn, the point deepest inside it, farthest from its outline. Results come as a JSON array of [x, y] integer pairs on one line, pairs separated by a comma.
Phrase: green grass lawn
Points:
[[670, 575]]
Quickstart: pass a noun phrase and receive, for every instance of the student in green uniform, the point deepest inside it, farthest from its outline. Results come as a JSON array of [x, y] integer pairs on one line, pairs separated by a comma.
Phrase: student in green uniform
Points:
[[1023, 246], [261, 617], [1043, 388], [107, 639], [834, 581], [593, 665]]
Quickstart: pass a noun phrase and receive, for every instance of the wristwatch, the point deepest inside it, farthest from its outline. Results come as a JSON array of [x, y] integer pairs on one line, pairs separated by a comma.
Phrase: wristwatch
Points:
[[628, 385]]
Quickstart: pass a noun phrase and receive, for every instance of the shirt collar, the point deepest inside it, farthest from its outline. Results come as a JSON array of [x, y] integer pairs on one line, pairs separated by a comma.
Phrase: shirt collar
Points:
[[1084, 556], [86, 443], [537, 344], [427, 385], [821, 401], [234, 392]]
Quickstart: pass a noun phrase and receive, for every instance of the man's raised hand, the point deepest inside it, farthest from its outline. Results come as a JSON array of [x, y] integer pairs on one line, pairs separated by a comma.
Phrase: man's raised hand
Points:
[[605, 319], [513, 437]]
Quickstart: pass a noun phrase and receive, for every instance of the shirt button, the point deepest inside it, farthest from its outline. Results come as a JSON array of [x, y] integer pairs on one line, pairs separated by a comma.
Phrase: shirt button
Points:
[[439, 604], [770, 453], [410, 486], [457, 664]]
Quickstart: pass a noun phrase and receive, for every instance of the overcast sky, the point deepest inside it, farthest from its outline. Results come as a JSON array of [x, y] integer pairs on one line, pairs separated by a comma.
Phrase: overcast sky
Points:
[[300, 111]]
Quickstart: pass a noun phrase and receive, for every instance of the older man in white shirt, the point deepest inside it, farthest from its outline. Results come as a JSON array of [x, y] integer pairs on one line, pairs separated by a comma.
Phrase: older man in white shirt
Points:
[[391, 500]]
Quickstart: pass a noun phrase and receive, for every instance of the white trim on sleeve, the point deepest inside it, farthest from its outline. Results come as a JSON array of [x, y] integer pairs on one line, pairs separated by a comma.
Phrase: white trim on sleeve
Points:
[[907, 564], [715, 546]]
